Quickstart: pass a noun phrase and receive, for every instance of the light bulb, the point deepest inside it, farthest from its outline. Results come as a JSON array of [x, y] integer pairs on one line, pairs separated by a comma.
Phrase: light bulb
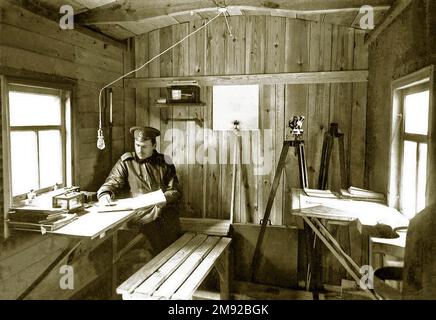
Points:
[[100, 139]]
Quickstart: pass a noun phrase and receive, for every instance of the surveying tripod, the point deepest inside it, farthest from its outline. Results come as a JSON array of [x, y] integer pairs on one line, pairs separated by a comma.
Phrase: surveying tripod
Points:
[[296, 131], [314, 267], [327, 148]]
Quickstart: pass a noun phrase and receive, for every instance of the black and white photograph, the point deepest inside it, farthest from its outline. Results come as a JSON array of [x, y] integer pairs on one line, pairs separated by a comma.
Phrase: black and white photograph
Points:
[[218, 155]]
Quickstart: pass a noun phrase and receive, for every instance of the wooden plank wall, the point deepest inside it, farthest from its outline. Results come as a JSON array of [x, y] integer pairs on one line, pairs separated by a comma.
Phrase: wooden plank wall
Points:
[[261, 44], [34, 47]]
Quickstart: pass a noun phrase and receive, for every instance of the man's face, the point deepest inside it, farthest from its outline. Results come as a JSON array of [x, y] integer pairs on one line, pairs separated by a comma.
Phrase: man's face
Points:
[[144, 149]]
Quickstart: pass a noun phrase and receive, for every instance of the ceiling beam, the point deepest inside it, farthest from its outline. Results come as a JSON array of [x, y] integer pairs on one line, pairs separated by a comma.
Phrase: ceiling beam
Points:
[[389, 16], [131, 10], [38, 8]]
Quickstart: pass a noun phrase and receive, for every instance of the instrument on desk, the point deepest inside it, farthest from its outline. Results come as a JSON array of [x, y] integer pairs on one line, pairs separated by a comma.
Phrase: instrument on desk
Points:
[[72, 200]]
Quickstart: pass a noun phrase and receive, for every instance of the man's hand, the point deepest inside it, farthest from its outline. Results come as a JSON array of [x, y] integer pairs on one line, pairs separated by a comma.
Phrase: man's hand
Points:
[[104, 200]]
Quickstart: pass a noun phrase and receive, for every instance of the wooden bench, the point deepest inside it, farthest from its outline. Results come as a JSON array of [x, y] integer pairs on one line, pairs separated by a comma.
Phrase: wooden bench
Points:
[[178, 271]]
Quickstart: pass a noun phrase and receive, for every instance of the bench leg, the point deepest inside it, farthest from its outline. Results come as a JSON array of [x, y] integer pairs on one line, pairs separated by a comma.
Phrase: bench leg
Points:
[[222, 266]]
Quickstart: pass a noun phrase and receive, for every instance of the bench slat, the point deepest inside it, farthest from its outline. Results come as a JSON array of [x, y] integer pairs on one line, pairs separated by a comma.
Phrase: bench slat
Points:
[[165, 271], [147, 270], [193, 282], [213, 227], [185, 270]]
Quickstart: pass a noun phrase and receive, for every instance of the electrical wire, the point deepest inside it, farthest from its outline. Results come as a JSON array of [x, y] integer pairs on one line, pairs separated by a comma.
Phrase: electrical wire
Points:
[[228, 26], [100, 138]]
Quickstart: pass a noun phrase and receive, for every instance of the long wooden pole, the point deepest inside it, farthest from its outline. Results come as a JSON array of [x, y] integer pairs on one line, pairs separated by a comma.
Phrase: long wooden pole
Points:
[[235, 151], [272, 194]]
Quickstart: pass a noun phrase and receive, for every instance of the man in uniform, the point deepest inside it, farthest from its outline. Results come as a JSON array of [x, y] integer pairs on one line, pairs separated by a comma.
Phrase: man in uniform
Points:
[[143, 171]]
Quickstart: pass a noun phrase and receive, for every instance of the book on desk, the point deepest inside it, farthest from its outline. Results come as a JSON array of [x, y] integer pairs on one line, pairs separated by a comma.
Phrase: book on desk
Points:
[[40, 214], [50, 224]]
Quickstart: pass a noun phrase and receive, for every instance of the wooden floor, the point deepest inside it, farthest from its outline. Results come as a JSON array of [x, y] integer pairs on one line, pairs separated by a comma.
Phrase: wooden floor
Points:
[[251, 291]]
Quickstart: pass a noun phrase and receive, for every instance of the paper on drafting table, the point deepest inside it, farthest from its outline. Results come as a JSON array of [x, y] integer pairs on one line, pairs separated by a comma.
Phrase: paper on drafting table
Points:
[[368, 213], [141, 201]]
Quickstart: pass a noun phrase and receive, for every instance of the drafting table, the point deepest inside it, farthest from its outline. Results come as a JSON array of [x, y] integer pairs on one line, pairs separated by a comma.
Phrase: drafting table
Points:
[[366, 214]]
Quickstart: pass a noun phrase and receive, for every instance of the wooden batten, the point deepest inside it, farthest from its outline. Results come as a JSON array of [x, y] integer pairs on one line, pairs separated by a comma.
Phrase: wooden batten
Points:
[[272, 78], [207, 226]]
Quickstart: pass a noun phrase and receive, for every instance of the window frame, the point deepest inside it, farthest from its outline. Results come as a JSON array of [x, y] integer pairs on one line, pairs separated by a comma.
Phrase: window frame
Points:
[[65, 92], [419, 81]]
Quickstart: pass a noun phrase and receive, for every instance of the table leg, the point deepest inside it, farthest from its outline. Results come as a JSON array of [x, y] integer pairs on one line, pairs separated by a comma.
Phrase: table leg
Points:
[[114, 264]]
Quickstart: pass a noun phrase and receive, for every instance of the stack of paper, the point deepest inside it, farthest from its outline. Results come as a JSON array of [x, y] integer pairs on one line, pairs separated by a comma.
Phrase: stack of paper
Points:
[[319, 193], [362, 194]]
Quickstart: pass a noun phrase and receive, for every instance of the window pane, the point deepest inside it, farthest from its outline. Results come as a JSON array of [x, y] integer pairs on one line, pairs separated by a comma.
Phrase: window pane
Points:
[[422, 177], [50, 157], [28, 109], [408, 197], [24, 162], [416, 112]]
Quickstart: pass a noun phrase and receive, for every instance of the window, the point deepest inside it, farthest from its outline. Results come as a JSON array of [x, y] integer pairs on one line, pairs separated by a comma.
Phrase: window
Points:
[[410, 119], [415, 101], [39, 136], [238, 102]]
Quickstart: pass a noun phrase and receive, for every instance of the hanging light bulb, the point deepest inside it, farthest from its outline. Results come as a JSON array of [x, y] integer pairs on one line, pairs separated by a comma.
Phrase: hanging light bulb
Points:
[[100, 139]]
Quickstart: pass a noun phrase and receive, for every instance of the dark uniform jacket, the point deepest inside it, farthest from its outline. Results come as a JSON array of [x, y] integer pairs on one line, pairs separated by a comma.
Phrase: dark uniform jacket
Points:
[[142, 176], [161, 226]]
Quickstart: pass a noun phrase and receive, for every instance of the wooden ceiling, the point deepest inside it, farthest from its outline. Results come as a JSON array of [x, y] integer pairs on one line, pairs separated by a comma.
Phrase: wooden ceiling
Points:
[[121, 19]]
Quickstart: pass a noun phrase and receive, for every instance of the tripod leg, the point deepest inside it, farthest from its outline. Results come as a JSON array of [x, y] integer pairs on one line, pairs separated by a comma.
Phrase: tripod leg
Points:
[[325, 161], [302, 165], [322, 164], [272, 194], [344, 178], [314, 257]]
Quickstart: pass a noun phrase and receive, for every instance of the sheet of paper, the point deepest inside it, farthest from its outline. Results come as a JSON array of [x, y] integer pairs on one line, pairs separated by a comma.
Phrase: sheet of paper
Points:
[[141, 201]]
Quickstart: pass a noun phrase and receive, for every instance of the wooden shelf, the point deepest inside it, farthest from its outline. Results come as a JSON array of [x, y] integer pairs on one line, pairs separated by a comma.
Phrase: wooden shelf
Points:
[[169, 105]]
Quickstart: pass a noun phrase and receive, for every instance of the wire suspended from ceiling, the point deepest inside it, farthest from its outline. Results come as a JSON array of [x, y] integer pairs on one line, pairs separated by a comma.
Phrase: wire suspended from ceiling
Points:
[[100, 137]]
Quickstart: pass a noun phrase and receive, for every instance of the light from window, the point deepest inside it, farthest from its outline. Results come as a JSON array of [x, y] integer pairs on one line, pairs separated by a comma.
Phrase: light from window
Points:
[[414, 173], [409, 178], [29, 109], [24, 162], [416, 113], [422, 177], [36, 141], [50, 158]]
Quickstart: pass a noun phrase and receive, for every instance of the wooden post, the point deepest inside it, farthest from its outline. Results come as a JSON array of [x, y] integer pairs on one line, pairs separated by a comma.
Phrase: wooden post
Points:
[[235, 170], [222, 267]]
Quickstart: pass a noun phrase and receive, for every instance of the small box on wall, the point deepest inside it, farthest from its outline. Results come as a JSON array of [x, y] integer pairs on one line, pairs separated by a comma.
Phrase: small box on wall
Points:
[[183, 94]]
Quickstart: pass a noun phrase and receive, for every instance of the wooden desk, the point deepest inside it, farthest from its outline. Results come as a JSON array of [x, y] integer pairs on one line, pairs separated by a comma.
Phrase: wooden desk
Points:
[[91, 225]]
